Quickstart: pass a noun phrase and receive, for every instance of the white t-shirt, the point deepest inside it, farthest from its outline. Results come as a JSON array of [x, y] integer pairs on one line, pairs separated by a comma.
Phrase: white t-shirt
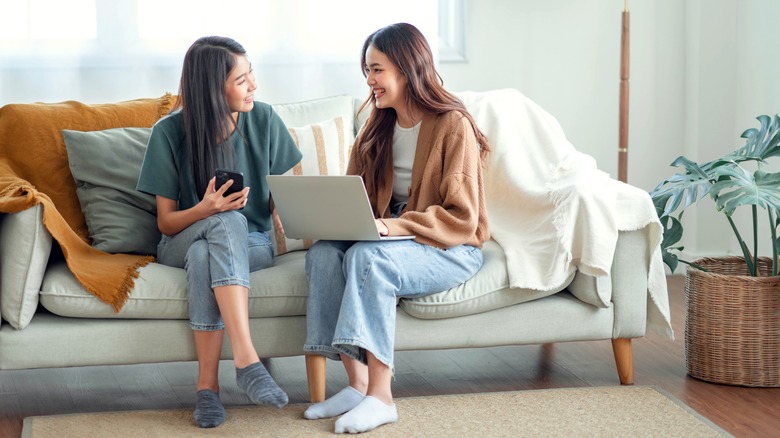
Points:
[[404, 147]]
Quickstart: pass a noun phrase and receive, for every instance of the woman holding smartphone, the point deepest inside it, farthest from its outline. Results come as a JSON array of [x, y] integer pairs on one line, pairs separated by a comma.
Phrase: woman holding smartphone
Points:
[[218, 238]]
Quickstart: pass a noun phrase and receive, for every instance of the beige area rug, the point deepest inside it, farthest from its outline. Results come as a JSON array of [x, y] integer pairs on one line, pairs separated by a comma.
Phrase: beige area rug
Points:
[[602, 411]]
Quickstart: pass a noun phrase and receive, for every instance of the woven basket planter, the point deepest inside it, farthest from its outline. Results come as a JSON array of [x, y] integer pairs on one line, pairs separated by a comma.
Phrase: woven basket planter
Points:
[[732, 328]]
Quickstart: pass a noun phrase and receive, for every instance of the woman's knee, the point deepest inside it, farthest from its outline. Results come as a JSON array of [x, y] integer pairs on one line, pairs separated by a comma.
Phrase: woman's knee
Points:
[[197, 256], [362, 253], [232, 220], [324, 253]]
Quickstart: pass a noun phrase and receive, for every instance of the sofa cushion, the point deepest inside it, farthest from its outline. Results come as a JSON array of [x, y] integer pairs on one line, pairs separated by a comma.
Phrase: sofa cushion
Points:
[[160, 292], [105, 165], [325, 152], [487, 290], [317, 110], [596, 291], [22, 235]]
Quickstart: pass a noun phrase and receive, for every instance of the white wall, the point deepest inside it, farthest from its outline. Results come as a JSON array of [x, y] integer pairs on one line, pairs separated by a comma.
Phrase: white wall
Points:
[[701, 71]]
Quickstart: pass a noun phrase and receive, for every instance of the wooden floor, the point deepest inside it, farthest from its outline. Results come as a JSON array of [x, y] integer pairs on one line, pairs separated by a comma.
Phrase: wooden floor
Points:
[[744, 412]]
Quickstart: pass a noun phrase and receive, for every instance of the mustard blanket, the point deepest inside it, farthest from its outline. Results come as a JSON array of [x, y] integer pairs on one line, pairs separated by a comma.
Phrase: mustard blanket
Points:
[[34, 170]]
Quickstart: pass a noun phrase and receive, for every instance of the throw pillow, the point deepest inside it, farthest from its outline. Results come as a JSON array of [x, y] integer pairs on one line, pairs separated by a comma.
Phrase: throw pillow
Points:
[[325, 150], [105, 165]]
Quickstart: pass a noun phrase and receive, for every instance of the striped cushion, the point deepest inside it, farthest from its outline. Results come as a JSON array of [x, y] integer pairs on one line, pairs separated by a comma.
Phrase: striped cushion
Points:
[[325, 148]]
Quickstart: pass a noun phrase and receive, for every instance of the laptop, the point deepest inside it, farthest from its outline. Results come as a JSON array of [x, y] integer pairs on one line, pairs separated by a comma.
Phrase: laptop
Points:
[[326, 207]]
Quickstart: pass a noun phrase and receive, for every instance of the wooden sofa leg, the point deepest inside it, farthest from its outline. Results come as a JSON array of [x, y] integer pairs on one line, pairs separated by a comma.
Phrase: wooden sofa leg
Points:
[[315, 373], [624, 359]]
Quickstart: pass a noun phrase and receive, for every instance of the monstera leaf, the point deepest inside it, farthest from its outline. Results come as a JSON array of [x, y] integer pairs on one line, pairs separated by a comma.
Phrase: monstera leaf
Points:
[[761, 144], [686, 187], [740, 187]]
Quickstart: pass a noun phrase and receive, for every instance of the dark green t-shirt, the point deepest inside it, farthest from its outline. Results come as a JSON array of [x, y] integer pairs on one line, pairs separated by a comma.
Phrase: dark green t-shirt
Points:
[[268, 150]]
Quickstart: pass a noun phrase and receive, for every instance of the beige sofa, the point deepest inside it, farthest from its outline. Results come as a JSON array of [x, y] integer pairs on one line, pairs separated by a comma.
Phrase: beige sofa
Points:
[[49, 320]]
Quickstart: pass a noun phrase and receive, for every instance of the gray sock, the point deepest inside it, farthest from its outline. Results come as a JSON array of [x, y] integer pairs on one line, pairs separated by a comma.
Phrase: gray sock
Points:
[[209, 411], [260, 386]]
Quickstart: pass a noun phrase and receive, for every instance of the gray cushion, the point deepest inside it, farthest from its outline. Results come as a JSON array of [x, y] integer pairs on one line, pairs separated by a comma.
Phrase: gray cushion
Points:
[[105, 166]]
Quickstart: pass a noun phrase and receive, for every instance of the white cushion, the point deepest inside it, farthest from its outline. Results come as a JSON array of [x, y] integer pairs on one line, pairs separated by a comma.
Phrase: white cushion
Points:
[[317, 110], [160, 292], [325, 148], [22, 235], [596, 291], [487, 290]]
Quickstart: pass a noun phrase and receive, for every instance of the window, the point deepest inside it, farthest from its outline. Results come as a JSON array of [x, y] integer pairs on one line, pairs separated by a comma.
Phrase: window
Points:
[[110, 50], [51, 25]]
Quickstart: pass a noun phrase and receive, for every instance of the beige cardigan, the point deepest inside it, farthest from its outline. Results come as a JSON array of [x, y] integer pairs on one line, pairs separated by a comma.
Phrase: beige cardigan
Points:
[[446, 205]]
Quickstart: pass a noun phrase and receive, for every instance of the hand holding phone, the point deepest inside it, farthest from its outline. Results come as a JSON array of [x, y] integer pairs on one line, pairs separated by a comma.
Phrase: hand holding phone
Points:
[[223, 175]]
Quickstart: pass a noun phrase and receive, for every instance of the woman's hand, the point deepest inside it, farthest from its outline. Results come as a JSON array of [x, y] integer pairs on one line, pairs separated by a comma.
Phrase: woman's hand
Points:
[[214, 201], [381, 227]]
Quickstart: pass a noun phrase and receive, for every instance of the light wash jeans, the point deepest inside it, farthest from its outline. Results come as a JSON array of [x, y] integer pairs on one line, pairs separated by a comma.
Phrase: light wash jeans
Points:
[[353, 291], [216, 251]]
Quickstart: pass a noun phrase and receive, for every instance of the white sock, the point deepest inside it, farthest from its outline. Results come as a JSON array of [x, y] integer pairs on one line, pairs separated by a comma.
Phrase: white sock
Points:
[[368, 415], [342, 401]]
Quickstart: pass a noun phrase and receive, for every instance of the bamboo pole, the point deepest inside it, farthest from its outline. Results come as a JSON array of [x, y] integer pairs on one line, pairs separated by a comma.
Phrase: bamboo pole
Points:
[[623, 120]]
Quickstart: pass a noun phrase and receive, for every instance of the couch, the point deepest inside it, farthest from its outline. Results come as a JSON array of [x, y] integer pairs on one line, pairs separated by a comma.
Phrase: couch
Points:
[[87, 157]]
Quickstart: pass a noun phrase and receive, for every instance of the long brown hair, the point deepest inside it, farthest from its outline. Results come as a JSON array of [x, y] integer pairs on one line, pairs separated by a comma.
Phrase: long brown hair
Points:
[[406, 47], [205, 111]]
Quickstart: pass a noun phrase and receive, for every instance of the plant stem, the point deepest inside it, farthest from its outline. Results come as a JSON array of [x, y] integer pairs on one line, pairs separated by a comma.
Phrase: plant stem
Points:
[[755, 239], [773, 233], [743, 247]]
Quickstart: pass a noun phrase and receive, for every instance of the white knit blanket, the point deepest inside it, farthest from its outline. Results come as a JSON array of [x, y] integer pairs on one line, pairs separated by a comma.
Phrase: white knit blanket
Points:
[[551, 209]]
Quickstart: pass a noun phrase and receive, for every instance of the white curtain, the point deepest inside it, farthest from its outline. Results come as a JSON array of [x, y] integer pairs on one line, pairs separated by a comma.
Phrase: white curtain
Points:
[[110, 50]]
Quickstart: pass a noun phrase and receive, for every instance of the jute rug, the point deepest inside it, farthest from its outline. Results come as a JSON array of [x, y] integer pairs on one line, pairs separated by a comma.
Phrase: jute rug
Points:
[[602, 411]]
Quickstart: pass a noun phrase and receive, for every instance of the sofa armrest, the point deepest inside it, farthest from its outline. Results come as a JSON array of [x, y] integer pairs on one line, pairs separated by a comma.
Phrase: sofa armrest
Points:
[[630, 271], [25, 246]]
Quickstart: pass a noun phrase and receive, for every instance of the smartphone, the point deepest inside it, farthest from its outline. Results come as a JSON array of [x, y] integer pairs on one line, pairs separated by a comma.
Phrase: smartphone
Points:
[[223, 175]]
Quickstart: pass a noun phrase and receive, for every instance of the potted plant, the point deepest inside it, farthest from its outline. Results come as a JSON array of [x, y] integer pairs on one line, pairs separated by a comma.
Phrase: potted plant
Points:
[[730, 185], [732, 326]]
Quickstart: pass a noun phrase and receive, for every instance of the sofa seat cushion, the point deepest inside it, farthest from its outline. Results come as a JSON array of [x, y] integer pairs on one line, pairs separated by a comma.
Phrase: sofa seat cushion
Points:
[[160, 292], [487, 290]]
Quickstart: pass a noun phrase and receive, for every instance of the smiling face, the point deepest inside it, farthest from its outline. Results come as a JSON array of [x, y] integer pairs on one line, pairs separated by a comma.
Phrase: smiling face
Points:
[[385, 80], [240, 86]]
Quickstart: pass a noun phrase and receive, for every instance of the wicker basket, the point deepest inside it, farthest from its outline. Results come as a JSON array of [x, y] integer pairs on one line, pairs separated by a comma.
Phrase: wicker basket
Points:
[[732, 328]]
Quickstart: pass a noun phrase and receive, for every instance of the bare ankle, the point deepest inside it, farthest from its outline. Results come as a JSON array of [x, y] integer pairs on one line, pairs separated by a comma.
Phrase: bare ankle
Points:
[[382, 396]]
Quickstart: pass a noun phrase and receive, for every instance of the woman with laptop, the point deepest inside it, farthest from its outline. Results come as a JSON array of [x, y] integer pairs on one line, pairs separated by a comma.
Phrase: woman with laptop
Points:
[[420, 155], [215, 230]]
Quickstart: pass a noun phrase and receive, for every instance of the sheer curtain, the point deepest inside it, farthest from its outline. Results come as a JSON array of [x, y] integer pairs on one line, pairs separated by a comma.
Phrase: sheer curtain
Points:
[[110, 50]]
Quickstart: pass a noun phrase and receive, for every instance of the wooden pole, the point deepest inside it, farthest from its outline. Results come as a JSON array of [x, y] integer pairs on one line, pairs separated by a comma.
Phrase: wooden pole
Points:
[[623, 122]]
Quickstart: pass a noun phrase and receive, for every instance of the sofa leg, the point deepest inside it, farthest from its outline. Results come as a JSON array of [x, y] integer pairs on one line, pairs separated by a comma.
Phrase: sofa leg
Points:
[[315, 373], [624, 359]]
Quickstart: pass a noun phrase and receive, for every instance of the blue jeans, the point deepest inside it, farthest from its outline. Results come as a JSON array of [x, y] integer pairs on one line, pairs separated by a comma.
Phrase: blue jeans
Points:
[[216, 251], [354, 287]]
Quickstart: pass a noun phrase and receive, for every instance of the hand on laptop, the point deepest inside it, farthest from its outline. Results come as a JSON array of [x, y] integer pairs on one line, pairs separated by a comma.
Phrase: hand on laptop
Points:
[[381, 227]]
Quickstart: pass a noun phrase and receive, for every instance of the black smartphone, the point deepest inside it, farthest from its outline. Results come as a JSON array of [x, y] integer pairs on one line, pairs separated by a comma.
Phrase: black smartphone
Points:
[[223, 175]]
